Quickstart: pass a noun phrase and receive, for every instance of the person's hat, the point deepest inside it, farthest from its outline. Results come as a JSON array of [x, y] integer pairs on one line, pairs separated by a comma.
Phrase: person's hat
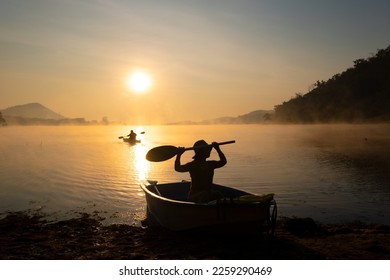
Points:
[[200, 147]]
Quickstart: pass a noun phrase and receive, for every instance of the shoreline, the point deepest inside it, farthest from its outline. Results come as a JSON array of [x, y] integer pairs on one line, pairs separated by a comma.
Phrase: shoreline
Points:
[[31, 237]]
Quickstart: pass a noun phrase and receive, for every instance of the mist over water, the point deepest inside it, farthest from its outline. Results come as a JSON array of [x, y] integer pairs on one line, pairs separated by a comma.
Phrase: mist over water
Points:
[[332, 173]]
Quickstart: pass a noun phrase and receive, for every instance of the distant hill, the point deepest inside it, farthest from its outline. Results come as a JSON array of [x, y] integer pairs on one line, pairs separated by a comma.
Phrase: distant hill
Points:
[[37, 114], [359, 94], [258, 116], [31, 111]]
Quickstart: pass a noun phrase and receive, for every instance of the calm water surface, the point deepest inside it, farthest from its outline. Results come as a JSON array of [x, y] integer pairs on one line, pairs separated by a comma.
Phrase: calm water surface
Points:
[[332, 173]]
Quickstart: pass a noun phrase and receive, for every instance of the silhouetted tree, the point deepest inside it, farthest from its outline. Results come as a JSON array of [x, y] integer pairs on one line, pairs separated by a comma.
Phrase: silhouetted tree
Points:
[[105, 121], [2, 120]]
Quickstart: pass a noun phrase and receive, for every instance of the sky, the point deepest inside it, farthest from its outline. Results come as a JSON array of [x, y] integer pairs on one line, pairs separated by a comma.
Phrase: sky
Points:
[[206, 58]]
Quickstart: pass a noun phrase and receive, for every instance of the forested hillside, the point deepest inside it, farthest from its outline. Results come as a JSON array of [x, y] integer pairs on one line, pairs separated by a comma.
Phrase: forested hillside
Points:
[[359, 94]]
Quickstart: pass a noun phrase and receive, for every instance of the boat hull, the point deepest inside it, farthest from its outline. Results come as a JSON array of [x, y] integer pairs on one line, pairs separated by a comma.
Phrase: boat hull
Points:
[[167, 205], [131, 141]]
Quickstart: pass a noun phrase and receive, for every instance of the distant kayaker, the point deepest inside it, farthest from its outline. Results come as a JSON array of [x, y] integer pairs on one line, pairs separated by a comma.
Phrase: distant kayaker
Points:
[[201, 171], [132, 135]]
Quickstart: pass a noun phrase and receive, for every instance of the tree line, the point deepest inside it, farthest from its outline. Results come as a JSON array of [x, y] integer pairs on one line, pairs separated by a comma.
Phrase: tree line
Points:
[[359, 94]]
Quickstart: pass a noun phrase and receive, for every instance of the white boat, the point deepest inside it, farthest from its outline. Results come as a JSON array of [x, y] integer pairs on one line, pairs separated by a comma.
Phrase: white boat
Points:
[[168, 207]]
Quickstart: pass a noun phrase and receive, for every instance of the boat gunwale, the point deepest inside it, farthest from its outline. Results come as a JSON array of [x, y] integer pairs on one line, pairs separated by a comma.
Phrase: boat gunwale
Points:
[[146, 190], [144, 187]]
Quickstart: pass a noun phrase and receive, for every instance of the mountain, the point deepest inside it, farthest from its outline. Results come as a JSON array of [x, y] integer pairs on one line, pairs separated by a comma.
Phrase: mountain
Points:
[[258, 116], [31, 111]]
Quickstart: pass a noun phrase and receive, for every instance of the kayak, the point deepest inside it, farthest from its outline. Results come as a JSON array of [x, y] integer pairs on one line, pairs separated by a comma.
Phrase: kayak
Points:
[[131, 141], [167, 206]]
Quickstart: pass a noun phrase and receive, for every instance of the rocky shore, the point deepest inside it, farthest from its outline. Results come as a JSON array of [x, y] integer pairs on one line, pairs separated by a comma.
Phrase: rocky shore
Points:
[[25, 237]]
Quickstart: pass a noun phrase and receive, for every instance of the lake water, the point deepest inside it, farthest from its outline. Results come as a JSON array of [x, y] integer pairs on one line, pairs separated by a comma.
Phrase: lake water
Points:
[[332, 173]]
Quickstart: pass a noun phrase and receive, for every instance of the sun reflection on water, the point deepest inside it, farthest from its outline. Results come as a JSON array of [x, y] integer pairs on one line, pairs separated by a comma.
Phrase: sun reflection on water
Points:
[[140, 164]]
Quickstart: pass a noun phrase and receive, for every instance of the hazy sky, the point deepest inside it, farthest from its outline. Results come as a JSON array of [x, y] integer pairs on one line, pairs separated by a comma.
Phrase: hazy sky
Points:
[[207, 58]]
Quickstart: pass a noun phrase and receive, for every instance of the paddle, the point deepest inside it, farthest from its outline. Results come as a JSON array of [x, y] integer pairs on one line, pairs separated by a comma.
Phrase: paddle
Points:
[[121, 137], [166, 152]]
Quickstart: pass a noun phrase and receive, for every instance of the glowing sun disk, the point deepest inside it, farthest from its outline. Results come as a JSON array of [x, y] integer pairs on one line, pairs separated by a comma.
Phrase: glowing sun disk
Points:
[[139, 81]]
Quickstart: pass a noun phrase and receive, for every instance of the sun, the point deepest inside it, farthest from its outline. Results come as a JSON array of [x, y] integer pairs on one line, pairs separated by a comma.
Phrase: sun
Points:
[[139, 81]]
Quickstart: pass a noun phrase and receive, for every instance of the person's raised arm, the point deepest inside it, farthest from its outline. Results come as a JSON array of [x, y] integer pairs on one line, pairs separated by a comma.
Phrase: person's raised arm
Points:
[[222, 158], [178, 166]]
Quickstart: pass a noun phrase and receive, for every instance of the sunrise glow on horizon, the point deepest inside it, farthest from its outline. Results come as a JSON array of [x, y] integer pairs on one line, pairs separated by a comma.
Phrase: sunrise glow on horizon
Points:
[[211, 59]]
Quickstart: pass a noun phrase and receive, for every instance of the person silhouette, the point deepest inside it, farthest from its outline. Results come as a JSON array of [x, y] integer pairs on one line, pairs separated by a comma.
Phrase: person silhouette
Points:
[[201, 171], [132, 135]]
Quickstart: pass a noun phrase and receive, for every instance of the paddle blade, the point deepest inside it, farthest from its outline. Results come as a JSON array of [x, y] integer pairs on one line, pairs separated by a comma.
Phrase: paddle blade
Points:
[[161, 153]]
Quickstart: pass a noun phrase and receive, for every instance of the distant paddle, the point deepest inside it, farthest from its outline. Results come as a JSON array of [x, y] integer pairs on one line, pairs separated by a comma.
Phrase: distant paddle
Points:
[[166, 152]]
